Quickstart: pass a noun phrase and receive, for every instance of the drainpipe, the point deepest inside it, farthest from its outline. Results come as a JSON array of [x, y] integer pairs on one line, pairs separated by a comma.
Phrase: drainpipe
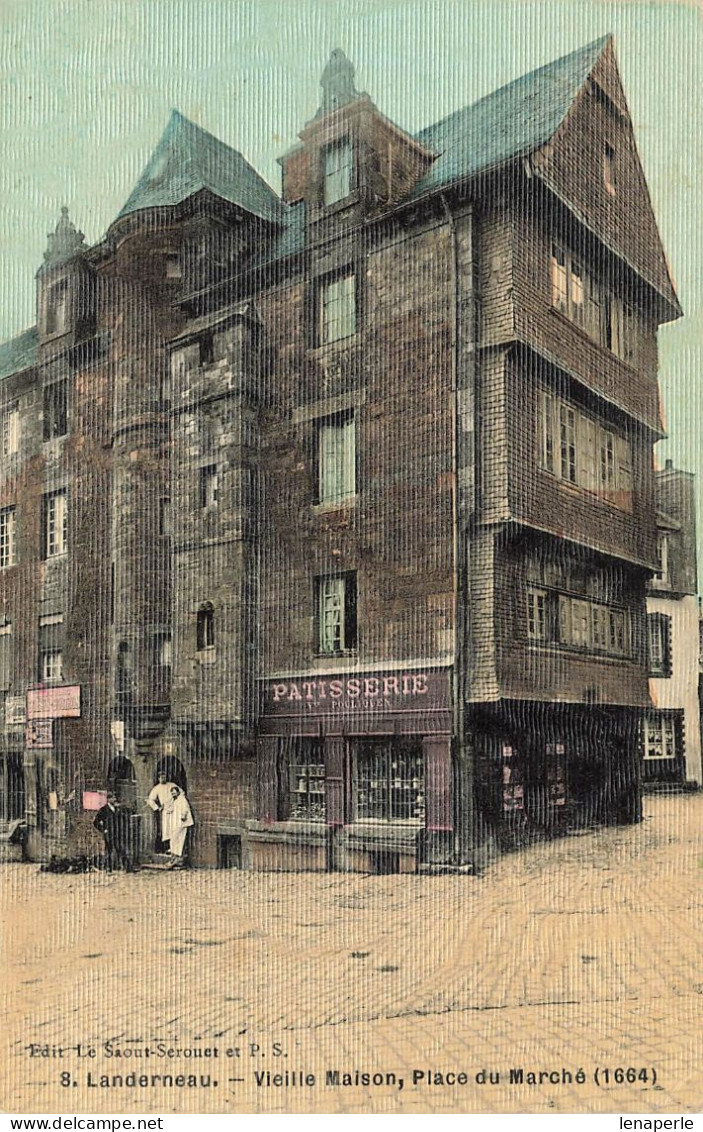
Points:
[[464, 817]]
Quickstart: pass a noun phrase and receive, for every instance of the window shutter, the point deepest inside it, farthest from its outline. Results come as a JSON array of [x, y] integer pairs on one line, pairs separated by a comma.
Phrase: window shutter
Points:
[[665, 631], [350, 612]]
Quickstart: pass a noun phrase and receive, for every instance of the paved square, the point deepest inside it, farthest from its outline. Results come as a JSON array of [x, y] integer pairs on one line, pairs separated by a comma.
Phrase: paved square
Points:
[[581, 954]]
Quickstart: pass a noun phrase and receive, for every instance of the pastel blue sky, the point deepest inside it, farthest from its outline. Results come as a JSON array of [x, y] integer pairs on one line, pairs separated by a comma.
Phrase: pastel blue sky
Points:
[[87, 86]]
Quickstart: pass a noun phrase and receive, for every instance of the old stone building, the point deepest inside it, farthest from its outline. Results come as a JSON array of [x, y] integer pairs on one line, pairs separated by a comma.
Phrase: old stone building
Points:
[[339, 506], [672, 728]]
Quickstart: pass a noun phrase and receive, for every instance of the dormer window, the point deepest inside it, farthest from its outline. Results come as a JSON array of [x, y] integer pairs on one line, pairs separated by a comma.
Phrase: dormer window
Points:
[[57, 309], [337, 171]]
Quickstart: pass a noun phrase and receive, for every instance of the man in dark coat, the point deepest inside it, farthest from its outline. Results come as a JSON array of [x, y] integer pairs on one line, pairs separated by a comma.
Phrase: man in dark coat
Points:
[[113, 822]]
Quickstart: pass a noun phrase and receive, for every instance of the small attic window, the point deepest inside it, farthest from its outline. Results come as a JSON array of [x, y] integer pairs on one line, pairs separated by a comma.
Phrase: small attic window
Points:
[[609, 171], [173, 266], [57, 308], [337, 171]]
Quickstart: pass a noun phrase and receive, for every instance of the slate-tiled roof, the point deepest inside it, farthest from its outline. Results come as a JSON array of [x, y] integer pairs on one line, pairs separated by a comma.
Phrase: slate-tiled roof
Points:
[[18, 353], [188, 159], [509, 122]]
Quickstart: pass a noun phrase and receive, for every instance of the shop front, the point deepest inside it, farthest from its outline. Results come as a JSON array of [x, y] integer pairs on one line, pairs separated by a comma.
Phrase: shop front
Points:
[[354, 772], [545, 769]]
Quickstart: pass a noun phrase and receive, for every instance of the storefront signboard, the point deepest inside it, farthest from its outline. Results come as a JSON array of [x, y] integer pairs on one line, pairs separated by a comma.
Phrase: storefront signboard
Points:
[[54, 703], [359, 692]]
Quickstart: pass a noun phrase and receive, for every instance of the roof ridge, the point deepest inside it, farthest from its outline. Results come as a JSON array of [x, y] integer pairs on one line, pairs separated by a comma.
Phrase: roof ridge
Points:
[[601, 42]]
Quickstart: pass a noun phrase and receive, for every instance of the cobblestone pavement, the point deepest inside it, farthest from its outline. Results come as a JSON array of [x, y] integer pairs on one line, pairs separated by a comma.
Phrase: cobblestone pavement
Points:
[[583, 953]]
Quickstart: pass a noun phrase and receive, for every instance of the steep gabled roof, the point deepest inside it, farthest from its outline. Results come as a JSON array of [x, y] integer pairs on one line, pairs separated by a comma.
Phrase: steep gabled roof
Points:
[[19, 353], [188, 159], [511, 121]]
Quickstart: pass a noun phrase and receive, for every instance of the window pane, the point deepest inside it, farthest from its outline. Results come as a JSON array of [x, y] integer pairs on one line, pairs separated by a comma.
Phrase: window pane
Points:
[[10, 431], [55, 524], [51, 666], [659, 736], [548, 432], [7, 537], [536, 615], [307, 782], [337, 172], [331, 614], [390, 782], [336, 458], [567, 431], [559, 279], [338, 309]]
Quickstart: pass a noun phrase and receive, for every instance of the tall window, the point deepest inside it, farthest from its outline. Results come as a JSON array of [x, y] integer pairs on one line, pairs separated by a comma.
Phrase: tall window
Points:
[[208, 486], [336, 458], [57, 309], [50, 648], [337, 160], [7, 537], [337, 309], [659, 637], [55, 409], [55, 535], [537, 614], [205, 627], [336, 613], [578, 449], [390, 781], [660, 739], [567, 443], [10, 430], [306, 776]]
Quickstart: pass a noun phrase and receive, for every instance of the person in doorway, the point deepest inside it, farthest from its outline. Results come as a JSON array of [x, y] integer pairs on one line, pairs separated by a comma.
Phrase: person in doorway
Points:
[[159, 798], [177, 820], [112, 821]]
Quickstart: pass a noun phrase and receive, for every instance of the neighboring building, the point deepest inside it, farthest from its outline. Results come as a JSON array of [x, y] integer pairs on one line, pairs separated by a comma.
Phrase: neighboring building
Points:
[[340, 507], [672, 730]]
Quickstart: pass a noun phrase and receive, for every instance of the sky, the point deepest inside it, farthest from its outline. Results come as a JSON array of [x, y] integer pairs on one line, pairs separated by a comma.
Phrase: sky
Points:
[[86, 88]]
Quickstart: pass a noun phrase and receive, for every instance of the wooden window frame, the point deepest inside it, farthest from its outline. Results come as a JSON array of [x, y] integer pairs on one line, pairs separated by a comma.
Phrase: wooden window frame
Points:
[[336, 457], [55, 524], [343, 639], [344, 146]]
